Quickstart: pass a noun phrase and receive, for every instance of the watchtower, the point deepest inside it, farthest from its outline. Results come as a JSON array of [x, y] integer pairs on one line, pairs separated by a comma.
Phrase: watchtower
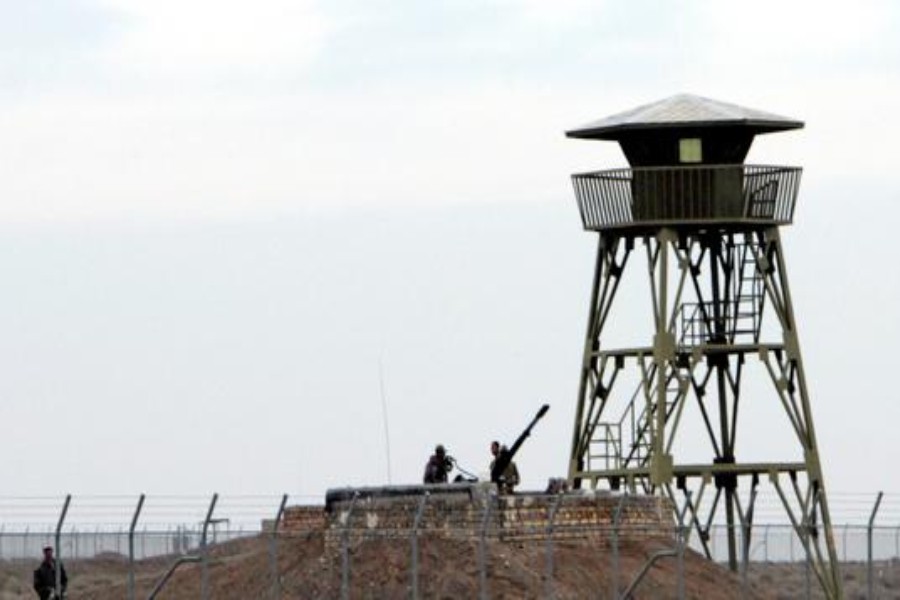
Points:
[[659, 398]]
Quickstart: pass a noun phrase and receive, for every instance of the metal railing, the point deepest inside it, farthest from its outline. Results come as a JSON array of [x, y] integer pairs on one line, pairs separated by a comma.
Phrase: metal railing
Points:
[[658, 195]]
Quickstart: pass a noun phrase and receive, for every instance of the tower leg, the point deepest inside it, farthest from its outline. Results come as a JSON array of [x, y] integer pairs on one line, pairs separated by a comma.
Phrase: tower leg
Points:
[[790, 379], [594, 382]]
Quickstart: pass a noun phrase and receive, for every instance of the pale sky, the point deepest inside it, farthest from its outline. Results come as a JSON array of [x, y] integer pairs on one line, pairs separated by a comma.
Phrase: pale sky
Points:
[[218, 218]]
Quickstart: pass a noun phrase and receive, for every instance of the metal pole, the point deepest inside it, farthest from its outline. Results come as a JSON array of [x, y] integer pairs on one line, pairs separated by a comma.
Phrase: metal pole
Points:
[[746, 525], [482, 554], [682, 535], [57, 584], [745, 553], [869, 580], [273, 548], [650, 562], [844, 541], [897, 541], [345, 551], [384, 414], [809, 558], [162, 582], [415, 545], [548, 593], [791, 535], [615, 548], [712, 539], [204, 553], [134, 520]]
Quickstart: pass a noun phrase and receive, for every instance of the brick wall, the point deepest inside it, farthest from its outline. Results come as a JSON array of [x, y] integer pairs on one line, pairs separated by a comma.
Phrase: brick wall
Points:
[[584, 516], [300, 519], [468, 511]]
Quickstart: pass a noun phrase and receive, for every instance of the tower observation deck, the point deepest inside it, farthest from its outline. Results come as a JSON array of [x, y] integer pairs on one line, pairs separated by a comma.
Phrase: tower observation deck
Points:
[[660, 413], [686, 155]]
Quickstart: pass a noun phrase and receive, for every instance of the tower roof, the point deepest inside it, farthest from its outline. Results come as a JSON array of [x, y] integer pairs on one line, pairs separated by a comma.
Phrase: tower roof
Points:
[[680, 111]]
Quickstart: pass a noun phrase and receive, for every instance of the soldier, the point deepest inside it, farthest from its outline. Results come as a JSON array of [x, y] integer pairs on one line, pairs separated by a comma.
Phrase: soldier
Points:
[[509, 478], [45, 577], [438, 466]]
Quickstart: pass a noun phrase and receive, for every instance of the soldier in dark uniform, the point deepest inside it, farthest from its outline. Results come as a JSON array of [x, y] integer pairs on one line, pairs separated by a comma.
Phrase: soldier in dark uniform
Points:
[[509, 479], [438, 466], [45, 577]]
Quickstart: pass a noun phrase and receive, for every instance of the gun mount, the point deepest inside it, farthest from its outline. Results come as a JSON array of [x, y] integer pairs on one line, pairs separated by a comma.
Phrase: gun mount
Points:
[[506, 455]]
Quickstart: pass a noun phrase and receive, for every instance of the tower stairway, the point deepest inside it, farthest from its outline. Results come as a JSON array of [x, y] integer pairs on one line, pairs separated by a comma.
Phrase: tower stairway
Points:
[[749, 294], [626, 443], [740, 314]]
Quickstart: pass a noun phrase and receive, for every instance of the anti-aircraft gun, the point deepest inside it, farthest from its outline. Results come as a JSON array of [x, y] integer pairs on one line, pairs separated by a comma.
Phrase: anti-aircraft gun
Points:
[[506, 454]]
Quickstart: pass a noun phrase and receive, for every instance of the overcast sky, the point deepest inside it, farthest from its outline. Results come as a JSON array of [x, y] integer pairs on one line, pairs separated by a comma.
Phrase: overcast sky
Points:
[[225, 227]]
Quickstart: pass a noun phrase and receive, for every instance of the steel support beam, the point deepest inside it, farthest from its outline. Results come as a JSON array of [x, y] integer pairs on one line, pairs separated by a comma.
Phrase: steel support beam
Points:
[[709, 290]]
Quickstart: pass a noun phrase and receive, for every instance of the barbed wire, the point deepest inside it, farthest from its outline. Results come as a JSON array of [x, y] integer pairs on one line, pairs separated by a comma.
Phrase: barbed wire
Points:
[[248, 511]]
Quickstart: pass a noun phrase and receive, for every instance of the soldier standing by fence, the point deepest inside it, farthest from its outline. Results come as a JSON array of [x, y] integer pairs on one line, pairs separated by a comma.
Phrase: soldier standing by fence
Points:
[[45, 577]]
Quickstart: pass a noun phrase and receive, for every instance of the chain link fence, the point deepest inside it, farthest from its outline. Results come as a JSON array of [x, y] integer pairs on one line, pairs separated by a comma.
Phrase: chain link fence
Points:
[[142, 543]]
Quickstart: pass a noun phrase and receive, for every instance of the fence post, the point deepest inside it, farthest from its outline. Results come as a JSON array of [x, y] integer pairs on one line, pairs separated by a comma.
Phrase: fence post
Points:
[[807, 566], [746, 525], [134, 520], [869, 580], [204, 552], [415, 545], [482, 548], [57, 585], [645, 569], [682, 536], [273, 548], [345, 550], [897, 541], [791, 534], [615, 547], [553, 510], [844, 541]]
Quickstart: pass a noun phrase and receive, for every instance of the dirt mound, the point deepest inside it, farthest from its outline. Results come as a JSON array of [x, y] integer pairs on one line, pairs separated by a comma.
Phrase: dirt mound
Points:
[[382, 569]]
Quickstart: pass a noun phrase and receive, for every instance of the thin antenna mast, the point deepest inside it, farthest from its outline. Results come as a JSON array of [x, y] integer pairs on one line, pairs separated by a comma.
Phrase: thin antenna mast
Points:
[[384, 415]]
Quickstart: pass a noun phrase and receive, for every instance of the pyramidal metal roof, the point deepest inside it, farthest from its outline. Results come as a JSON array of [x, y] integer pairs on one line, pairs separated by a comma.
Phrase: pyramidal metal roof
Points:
[[684, 110]]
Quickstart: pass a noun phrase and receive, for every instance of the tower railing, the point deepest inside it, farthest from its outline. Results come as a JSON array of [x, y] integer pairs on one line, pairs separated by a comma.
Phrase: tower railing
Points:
[[656, 195]]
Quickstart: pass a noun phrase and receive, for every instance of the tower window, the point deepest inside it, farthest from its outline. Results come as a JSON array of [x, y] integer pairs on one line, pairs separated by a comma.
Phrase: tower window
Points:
[[690, 150]]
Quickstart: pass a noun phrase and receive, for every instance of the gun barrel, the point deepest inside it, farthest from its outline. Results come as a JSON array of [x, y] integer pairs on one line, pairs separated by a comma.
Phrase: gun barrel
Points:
[[505, 457]]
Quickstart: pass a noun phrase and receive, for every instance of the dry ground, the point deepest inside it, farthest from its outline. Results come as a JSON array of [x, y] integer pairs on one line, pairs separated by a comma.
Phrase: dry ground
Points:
[[448, 569]]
